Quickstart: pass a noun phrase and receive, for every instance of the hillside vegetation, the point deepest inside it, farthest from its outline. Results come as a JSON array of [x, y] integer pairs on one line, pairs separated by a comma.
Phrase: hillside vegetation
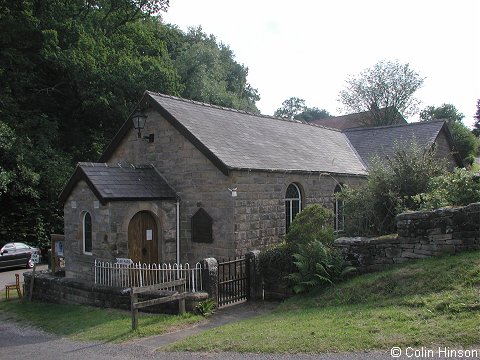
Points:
[[71, 73], [432, 302]]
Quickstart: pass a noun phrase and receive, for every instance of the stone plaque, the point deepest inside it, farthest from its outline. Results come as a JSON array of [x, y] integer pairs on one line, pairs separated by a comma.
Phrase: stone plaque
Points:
[[202, 227]]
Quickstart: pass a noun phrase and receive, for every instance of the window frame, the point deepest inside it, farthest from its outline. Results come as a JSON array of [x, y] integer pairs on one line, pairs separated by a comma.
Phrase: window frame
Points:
[[290, 201], [338, 204], [84, 233]]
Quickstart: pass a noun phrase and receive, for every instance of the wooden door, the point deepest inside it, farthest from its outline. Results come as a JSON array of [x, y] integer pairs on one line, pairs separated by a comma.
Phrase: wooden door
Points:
[[143, 238]]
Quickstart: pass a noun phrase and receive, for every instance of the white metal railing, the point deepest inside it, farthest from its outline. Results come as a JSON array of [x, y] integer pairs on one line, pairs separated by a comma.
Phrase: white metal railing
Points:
[[138, 274]]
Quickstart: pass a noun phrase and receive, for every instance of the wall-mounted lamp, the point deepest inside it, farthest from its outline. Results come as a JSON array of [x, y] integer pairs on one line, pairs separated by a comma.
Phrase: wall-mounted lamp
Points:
[[139, 119], [233, 191]]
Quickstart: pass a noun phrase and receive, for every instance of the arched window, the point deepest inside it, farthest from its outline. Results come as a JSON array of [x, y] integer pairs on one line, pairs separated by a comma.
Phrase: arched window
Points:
[[293, 203], [87, 233], [338, 209]]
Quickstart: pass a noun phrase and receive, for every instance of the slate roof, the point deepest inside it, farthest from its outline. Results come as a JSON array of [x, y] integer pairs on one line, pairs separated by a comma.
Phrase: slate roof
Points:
[[117, 182], [380, 141], [235, 140], [350, 121]]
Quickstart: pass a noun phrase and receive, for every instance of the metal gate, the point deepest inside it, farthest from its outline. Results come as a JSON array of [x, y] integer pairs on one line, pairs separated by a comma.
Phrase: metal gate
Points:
[[233, 281]]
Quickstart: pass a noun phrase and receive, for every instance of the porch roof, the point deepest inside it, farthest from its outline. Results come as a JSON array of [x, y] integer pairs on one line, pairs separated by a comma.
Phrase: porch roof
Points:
[[120, 182]]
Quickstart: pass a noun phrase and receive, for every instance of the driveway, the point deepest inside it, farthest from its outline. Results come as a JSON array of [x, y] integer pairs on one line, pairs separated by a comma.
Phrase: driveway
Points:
[[8, 275]]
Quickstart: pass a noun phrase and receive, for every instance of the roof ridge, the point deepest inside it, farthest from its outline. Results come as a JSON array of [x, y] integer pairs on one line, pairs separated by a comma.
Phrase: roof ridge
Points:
[[219, 107], [118, 165], [356, 113], [92, 164], [393, 125]]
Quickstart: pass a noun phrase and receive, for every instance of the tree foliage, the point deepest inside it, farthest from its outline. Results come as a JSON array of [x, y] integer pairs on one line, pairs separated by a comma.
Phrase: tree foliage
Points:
[[71, 71], [445, 112], [295, 108], [314, 113], [476, 125], [464, 140], [383, 90], [290, 108], [210, 74]]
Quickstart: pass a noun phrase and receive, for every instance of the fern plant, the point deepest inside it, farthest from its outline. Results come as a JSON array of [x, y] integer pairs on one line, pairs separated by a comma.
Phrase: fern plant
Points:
[[318, 265], [206, 307]]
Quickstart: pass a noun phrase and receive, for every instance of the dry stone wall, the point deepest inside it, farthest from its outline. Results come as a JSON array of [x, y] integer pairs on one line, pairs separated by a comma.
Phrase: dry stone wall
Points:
[[420, 235]]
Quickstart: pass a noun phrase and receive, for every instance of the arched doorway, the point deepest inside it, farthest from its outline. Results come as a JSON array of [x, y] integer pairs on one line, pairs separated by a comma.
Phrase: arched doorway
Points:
[[143, 238]]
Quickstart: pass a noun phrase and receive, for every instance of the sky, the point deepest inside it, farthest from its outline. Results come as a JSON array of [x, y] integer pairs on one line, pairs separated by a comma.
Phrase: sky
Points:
[[308, 48]]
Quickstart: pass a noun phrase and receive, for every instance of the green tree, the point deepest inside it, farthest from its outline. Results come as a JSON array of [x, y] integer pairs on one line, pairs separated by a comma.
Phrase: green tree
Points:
[[476, 126], [465, 142], [71, 71], [383, 90], [295, 108], [210, 73], [309, 114], [446, 112], [290, 108]]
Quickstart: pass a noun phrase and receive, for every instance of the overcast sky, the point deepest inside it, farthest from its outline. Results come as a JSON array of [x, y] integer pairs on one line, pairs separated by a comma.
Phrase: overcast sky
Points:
[[307, 48]]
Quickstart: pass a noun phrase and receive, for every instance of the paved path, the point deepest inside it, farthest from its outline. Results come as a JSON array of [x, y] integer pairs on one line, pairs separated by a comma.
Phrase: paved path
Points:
[[221, 317]]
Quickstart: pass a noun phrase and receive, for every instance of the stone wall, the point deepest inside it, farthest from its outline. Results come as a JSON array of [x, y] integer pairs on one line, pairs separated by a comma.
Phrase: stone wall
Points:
[[420, 235], [61, 290], [260, 205]]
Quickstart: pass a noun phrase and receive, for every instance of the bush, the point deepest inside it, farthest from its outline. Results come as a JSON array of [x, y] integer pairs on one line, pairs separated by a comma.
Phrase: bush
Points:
[[465, 142], [313, 223], [318, 264], [458, 188], [391, 188], [277, 261]]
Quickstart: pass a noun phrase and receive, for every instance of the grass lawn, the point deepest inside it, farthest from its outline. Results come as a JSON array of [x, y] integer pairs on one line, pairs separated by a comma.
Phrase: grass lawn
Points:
[[425, 303], [90, 323]]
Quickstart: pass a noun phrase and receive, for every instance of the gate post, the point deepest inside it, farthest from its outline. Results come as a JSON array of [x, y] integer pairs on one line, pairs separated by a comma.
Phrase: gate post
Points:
[[210, 278], [254, 292]]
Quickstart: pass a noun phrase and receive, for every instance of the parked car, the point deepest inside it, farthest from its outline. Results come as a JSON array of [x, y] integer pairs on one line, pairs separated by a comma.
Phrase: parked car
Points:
[[17, 254]]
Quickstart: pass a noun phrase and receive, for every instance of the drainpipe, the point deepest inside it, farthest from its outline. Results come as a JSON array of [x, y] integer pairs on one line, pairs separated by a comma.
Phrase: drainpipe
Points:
[[178, 231]]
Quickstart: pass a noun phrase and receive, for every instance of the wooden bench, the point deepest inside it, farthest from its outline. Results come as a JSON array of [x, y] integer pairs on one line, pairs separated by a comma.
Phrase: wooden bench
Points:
[[135, 304]]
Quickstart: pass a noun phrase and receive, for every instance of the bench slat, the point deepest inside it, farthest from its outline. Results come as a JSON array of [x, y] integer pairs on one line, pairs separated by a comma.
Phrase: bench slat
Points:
[[161, 300], [139, 290]]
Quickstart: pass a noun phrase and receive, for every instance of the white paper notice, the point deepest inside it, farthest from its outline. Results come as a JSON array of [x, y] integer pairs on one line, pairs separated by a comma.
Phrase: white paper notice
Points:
[[149, 234]]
